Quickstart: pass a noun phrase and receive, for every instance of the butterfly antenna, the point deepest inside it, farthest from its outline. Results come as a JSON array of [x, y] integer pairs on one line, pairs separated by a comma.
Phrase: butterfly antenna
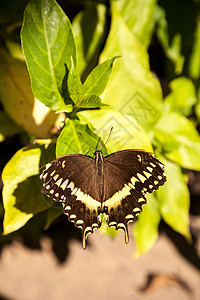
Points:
[[111, 129], [87, 142]]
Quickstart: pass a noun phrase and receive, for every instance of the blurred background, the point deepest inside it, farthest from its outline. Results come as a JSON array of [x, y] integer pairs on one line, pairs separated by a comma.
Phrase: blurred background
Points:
[[43, 258]]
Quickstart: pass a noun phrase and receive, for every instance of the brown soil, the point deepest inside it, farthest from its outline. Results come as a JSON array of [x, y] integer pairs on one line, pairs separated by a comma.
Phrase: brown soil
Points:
[[105, 270]]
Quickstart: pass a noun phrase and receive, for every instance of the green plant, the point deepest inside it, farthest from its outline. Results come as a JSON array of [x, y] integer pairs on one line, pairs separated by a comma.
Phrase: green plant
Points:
[[130, 99]]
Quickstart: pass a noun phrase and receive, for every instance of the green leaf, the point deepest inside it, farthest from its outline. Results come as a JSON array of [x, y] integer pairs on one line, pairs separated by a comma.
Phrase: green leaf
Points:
[[182, 96], [97, 80], [179, 139], [22, 197], [126, 133], [174, 199], [87, 95], [90, 101], [197, 108], [132, 87], [139, 20], [48, 44], [146, 229], [105, 229], [89, 35], [70, 140], [74, 84], [194, 64]]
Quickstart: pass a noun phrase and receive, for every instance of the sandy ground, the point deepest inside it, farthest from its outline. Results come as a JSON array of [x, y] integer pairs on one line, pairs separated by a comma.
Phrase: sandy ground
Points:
[[105, 270]]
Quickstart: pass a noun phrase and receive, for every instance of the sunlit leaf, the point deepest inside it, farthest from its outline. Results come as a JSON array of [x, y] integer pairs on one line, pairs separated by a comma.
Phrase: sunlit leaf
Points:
[[197, 108], [18, 100], [146, 229], [194, 64], [21, 192], [70, 140], [90, 101], [132, 87], [126, 133], [179, 140], [174, 199], [87, 95], [139, 20], [74, 84], [97, 80], [182, 97], [48, 44]]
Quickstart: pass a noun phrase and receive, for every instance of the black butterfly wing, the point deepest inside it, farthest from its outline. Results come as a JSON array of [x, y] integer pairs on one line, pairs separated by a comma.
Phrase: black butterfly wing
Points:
[[71, 179], [128, 176]]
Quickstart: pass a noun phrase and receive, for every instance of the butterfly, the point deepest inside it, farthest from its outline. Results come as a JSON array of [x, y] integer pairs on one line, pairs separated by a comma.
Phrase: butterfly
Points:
[[114, 185]]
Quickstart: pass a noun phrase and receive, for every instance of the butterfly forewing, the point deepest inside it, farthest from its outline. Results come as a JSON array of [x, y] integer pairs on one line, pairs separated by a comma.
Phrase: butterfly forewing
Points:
[[72, 180]]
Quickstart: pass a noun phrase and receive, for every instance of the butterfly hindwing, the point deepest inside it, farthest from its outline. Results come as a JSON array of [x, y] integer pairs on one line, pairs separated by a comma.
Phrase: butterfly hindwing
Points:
[[72, 180], [129, 174]]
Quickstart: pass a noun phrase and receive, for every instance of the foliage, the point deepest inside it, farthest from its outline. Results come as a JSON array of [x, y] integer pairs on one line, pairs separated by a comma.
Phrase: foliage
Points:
[[66, 90]]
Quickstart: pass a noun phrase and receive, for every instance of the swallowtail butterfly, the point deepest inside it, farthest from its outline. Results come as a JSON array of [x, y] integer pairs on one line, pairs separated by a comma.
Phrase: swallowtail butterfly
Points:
[[115, 184]]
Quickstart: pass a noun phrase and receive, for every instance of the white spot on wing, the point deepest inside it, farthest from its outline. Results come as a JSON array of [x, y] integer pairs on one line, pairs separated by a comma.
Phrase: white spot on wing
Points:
[[141, 200], [150, 169], [56, 177], [141, 177], [48, 165], [58, 183], [129, 217], [152, 164], [147, 174], [79, 222], [134, 180], [44, 176], [64, 184], [136, 209], [73, 216], [71, 186], [74, 191], [68, 207]]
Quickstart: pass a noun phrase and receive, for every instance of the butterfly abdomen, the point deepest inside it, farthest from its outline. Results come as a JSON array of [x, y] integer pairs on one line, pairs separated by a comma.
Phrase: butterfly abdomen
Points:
[[100, 175]]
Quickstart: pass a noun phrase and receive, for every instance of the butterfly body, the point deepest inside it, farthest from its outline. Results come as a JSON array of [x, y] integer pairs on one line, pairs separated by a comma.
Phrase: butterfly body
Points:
[[114, 184]]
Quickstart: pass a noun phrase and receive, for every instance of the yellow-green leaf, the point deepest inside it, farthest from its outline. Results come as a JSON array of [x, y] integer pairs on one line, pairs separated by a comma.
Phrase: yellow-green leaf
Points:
[[132, 87], [138, 15], [126, 133], [22, 196], [174, 199], [18, 100], [146, 227], [179, 140]]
